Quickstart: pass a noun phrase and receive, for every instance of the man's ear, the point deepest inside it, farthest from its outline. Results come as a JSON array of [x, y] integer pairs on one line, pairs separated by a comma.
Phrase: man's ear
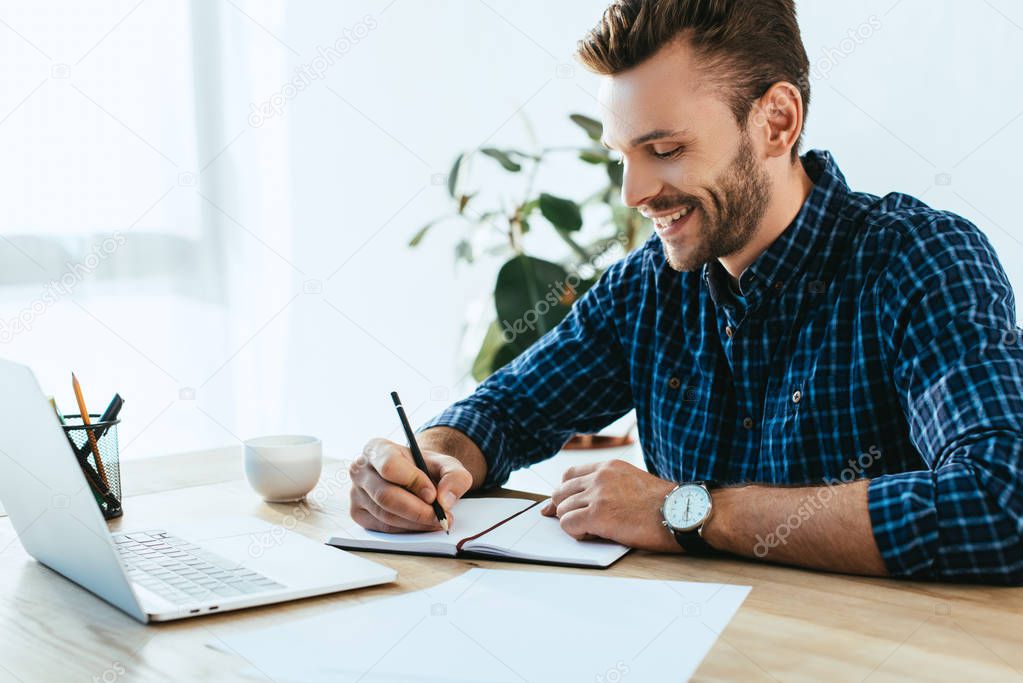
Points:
[[777, 118]]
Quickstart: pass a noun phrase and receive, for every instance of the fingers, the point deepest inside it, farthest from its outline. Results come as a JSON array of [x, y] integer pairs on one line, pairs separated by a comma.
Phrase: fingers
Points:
[[400, 502], [394, 464], [580, 470], [379, 482], [371, 523], [575, 524], [453, 480], [569, 488], [389, 493], [574, 502], [371, 516]]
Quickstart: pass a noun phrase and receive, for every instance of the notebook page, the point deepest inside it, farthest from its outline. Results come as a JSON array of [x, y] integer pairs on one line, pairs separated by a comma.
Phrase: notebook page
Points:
[[471, 516], [531, 536]]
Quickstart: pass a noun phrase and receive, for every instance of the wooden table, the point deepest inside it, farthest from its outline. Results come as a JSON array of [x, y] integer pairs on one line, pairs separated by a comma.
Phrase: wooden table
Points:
[[794, 626]]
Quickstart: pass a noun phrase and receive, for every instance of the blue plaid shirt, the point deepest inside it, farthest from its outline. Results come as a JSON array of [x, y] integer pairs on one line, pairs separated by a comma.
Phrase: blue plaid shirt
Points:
[[876, 337]]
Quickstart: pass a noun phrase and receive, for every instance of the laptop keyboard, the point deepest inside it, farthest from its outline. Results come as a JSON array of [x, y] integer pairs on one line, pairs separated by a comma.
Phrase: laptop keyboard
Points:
[[183, 572]]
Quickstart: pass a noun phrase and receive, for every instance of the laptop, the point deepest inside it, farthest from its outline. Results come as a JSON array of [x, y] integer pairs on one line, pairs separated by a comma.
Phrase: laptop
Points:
[[152, 574]]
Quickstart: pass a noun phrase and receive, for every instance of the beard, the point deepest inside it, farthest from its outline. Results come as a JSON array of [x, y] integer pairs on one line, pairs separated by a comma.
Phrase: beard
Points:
[[740, 196]]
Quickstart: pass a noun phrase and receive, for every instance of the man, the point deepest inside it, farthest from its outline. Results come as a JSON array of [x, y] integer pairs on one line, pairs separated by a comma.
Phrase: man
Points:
[[821, 377]]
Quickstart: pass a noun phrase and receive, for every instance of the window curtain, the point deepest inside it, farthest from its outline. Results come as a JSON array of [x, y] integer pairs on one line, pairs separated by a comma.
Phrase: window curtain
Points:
[[146, 234]]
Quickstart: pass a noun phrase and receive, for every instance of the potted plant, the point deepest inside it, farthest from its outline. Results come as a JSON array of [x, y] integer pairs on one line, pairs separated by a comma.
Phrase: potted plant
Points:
[[532, 294]]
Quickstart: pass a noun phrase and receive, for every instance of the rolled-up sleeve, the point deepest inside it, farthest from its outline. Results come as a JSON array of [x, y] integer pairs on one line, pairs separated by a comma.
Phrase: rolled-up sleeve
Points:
[[956, 359], [573, 379]]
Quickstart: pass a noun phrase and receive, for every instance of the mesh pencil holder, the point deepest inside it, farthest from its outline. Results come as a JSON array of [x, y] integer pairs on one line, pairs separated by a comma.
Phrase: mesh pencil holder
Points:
[[104, 477]]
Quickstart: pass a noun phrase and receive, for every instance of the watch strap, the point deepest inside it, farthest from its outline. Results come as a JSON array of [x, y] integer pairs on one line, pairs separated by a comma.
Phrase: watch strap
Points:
[[692, 542]]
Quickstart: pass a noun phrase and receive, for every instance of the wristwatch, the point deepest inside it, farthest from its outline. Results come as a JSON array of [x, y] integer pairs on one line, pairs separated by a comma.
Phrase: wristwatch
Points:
[[685, 510]]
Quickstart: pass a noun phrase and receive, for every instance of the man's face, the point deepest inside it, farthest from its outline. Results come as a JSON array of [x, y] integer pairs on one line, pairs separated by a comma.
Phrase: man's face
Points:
[[684, 153]]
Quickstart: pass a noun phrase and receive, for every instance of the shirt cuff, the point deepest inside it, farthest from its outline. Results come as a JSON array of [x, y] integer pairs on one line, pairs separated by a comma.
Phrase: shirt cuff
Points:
[[484, 432], [904, 519]]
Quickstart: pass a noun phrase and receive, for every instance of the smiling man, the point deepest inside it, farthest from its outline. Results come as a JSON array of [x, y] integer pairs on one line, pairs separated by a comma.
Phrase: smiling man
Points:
[[821, 377]]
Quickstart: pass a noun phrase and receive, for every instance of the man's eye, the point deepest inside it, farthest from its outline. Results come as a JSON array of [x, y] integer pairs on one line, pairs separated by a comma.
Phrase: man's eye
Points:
[[669, 154]]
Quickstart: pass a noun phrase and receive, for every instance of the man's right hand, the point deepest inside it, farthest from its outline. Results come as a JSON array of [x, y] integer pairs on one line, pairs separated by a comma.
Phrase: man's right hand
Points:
[[389, 493]]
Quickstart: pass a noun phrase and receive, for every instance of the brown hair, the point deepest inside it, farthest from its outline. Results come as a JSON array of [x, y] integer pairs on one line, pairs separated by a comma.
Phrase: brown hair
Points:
[[745, 46]]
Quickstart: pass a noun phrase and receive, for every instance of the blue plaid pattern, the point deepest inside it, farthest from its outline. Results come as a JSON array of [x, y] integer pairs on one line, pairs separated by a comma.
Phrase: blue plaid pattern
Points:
[[876, 337]]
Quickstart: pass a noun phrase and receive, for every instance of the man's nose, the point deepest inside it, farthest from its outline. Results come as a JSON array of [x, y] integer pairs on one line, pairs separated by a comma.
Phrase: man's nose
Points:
[[637, 186]]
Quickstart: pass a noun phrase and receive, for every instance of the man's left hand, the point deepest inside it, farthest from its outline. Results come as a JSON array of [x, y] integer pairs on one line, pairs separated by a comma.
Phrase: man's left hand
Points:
[[616, 501]]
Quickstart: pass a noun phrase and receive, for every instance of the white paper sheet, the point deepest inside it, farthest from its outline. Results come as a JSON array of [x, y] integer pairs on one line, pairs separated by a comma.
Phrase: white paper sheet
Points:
[[497, 626]]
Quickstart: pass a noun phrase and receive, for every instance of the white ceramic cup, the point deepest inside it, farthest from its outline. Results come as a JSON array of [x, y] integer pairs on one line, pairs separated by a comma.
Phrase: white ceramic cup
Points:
[[283, 469]]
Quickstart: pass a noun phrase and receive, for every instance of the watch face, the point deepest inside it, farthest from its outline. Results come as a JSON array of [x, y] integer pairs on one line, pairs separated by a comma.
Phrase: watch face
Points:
[[687, 507]]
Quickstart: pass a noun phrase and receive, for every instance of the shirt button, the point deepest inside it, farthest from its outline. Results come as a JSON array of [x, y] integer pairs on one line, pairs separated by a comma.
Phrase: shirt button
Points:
[[729, 331], [796, 396], [778, 284], [747, 422], [674, 382]]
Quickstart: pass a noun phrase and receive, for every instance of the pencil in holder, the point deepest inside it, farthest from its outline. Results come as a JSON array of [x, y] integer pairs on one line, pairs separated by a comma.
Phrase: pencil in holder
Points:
[[96, 449]]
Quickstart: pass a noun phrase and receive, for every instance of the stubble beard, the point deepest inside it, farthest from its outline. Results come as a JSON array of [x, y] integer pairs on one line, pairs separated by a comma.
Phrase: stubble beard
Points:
[[741, 195]]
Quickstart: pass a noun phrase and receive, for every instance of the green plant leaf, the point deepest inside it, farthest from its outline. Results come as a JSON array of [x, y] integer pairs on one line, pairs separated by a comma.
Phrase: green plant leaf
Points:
[[523, 212], [506, 353], [420, 234], [493, 355], [503, 158], [483, 364], [593, 156], [463, 251], [564, 214], [616, 173], [453, 175], [531, 296], [593, 127]]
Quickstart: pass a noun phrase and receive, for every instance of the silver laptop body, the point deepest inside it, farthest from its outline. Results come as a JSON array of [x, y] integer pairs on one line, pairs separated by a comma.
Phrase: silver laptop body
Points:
[[174, 572]]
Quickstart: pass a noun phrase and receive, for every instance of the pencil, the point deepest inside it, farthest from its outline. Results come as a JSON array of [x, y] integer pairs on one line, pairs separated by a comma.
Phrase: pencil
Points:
[[53, 404], [417, 455], [85, 421]]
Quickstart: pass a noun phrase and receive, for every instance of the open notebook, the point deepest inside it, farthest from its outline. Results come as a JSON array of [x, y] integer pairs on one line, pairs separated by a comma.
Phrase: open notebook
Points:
[[497, 528]]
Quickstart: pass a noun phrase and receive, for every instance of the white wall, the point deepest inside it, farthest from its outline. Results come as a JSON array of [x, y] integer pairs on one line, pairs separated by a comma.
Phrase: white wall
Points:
[[431, 80], [929, 85], [928, 104], [925, 101]]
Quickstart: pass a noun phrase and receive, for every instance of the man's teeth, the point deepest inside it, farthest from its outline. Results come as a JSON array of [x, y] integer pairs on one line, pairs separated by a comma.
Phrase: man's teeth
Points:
[[665, 221]]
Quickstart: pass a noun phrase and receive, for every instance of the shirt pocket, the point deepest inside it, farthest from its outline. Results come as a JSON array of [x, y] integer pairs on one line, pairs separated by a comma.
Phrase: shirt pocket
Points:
[[814, 430], [686, 422]]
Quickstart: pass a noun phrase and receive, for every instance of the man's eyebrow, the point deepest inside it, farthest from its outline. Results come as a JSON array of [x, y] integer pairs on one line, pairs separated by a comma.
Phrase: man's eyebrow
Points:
[[653, 135]]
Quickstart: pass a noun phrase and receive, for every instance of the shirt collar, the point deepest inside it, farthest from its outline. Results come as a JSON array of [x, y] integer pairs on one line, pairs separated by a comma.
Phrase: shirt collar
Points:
[[789, 255]]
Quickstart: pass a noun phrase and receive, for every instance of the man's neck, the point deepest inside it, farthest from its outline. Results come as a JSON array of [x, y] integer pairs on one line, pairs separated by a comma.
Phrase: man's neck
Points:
[[789, 195]]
